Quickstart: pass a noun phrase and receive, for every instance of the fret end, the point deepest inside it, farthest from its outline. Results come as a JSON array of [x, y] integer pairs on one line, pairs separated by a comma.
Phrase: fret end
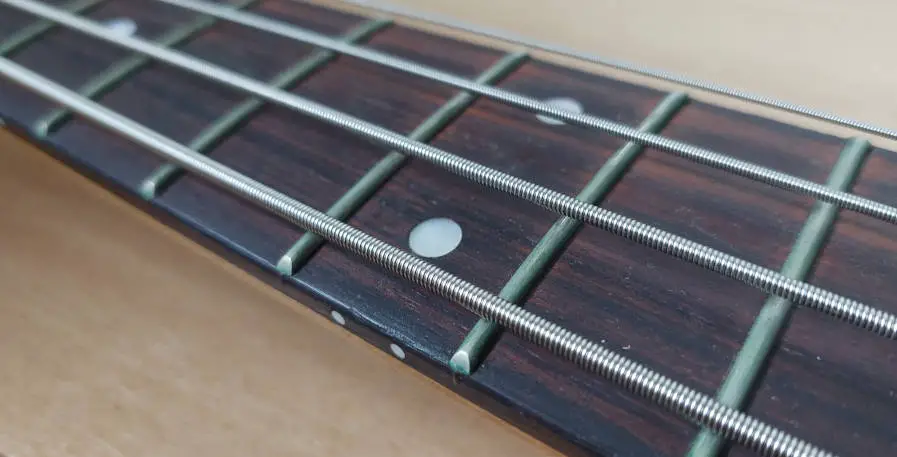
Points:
[[43, 128], [285, 265], [460, 363], [148, 189]]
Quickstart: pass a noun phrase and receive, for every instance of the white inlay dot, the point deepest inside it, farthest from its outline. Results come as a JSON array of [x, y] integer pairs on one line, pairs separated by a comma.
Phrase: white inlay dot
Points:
[[435, 237], [397, 351], [561, 103], [338, 318], [121, 26]]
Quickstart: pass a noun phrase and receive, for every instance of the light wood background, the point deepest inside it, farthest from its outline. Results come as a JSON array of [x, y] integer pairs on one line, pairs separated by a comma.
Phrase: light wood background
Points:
[[120, 337]]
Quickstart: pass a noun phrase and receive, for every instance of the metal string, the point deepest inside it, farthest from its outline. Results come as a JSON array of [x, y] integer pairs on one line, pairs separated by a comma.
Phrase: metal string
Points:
[[111, 77], [747, 369], [37, 29], [768, 280], [639, 379], [632, 68], [688, 151]]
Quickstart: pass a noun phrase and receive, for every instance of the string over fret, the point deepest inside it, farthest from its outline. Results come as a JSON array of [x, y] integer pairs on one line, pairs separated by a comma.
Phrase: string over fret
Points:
[[39, 28], [694, 153], [636, 378], [484, 334], [636, 69], [383, 170], [771, 321], [768, 280], [212, 135], [116, 74]]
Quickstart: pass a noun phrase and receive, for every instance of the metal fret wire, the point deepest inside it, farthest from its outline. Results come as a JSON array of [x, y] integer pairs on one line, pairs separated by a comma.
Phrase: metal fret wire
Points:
[[482, 337], [747, 368], [215, 132], [694, 83], [383, 170], [697, 154], [38, 28], [115, 74], [765, 279], [639, 379]]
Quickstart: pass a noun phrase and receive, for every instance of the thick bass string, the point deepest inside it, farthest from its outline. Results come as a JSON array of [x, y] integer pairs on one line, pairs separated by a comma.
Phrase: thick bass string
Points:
[[587, 354], [770, 281], [700, 155], [570, 342]]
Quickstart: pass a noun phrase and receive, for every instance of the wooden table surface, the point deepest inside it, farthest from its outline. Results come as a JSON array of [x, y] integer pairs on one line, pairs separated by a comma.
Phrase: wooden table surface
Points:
[[120, 337]]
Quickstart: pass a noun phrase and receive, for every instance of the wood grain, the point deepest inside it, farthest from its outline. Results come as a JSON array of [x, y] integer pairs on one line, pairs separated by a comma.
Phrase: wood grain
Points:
[[767, 47], [686, 322], [680, 320], [831, 382], [316, 164], [119, 336]]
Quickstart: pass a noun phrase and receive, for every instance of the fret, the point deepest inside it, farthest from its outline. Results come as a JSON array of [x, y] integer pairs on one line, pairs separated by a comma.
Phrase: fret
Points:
[[182, 106], [216, 132], [496, 239], [747, 368], [632, 293], [588, 355], [116, 74], [703, 156], [483, 335], [685, 322], [383, 170], [633, 68], [40, 27], [313, 161], [770, 281], [318, 164], [838, 390], [502, 230], [559, 157], [92, 56]]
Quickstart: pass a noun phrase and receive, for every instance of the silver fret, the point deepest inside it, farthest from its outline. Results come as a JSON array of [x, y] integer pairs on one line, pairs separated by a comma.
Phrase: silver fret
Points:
[[628, 67], [691, 152], [768, 280], [638, 379]]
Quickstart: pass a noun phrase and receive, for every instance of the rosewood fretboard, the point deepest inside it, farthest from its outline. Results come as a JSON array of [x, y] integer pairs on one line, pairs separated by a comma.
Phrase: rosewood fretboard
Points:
[[827, 381]]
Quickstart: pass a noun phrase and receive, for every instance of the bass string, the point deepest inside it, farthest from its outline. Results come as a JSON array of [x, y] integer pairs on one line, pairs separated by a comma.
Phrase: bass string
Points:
[[592, 357], [768, 280], [430, 285], [629, 67]]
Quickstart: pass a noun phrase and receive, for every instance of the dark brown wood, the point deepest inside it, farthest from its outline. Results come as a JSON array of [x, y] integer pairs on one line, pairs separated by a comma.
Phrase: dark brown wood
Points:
[[683, 321], [831, 382]]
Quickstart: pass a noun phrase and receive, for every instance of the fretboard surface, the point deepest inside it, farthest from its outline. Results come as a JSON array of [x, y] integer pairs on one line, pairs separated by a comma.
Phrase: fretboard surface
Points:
[[828, 382], [834, 382]]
